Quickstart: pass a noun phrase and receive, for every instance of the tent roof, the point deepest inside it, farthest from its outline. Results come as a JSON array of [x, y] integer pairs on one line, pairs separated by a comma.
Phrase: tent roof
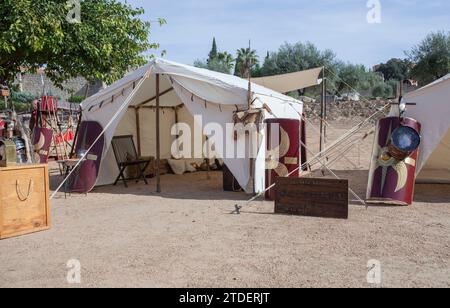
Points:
[[432, 110], [434, 83], [218, 85]]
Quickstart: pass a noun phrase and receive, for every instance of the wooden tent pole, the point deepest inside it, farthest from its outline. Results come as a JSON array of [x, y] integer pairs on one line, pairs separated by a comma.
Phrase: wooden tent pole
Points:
[[249, 102], [138, 130], [325, 111], [322, 112], [158, 138]]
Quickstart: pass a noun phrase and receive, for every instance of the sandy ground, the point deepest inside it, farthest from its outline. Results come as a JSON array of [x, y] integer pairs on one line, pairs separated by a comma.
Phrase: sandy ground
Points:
[[186, 237]]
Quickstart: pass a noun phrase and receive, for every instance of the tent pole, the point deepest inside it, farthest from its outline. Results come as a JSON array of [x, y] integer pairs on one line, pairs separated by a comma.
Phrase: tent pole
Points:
[[304, 153], [138, 130], [158, 138], [325, 111], [322, 112], [250, 98], [177, 137]]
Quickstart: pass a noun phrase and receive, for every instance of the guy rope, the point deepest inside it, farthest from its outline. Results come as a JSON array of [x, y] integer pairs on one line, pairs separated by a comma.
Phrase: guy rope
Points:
[[332, 151]]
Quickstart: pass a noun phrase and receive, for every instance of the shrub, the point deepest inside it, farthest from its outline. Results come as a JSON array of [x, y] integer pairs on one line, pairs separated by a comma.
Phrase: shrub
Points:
[[76, 99], [383, 90]]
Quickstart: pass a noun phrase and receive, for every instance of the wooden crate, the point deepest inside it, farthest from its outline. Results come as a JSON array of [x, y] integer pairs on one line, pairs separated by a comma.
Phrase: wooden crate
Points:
[[24, 200], [325, 198]]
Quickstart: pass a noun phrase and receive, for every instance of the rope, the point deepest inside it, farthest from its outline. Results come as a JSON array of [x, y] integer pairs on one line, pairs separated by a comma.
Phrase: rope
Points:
[[317, 132], [354, 130], [316, 157], [350, 133], [337, 177], [21, 196], [116, 115], [344, 82], [338, 142]]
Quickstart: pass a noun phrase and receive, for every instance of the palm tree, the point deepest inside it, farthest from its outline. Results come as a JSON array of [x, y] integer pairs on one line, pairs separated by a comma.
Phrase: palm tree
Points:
[[246, 60], [226, 59]]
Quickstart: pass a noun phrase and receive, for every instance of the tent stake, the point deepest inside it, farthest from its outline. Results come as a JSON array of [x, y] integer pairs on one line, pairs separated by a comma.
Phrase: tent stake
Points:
[[158, 138]]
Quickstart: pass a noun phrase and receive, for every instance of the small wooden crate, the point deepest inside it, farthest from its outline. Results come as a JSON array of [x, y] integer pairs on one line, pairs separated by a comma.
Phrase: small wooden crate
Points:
[[24, 200]]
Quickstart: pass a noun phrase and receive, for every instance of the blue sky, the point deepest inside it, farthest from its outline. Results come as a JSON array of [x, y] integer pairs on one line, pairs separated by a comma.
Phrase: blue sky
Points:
[[340, 25]]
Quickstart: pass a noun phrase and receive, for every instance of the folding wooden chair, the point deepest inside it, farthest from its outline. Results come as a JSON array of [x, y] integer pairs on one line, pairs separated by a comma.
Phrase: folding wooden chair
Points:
[[126, 156]]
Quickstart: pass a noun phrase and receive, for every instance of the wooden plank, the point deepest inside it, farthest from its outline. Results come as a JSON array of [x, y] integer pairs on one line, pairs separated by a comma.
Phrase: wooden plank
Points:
[[138, 131], [313, 197], [154, 107]]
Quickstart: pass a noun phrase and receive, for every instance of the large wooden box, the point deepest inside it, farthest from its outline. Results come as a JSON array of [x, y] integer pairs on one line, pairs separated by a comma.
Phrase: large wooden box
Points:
[[327, 198], [24, 200]]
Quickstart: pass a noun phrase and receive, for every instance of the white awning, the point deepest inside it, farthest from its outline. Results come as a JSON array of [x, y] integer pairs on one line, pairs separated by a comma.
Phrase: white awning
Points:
[[292, 81]]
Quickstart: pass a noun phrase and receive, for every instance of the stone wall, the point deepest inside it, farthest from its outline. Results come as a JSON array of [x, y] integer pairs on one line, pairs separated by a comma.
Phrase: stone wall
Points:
[[32, 83], [342, 111]]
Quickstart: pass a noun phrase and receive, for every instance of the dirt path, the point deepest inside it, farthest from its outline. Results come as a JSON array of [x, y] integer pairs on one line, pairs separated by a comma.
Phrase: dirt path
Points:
[[132, 238], [187, 238]]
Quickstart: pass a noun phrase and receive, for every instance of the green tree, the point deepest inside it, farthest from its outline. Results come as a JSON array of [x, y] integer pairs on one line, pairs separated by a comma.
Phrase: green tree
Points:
[[226, 60], [246, 61], [109, 41], [223, 63], [214, 52], [395, 69], [298, 57], [431, 58], [353, 78], [383, 90]]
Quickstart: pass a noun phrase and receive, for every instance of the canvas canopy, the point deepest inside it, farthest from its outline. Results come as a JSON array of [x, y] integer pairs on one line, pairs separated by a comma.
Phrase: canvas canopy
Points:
[[185, 94], [291, 82], [433, 111]]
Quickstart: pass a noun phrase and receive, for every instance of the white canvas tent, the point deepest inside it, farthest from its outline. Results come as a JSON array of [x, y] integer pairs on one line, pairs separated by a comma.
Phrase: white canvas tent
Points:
[[433, 111], [184, 92]]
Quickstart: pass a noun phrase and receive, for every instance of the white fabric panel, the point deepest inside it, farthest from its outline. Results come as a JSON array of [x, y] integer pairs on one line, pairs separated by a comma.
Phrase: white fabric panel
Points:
[[93, 110], [148, 132], [433, 112], [212, 93], [184, 116], [291, 82], [212, 114], [127, 125], [109, 170], [117, 87], [149, 92], [437, 168]]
